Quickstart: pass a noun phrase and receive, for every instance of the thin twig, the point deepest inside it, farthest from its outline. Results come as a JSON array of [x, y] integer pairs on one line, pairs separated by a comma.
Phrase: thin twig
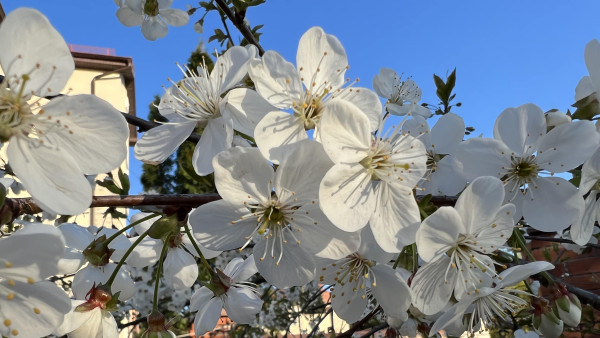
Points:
[[559, 240], [358, 324], [240, 25], [321, 319]]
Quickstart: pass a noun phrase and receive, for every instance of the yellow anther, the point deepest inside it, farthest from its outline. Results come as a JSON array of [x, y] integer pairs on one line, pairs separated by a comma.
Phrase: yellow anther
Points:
[[8, 264], [10, 296], [14, 332], [11, 282], [7, 322], [36, 310], [30, 280]]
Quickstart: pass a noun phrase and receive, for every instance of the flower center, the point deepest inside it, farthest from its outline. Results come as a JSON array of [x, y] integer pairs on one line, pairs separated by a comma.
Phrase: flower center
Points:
[[151, 8], [310, 109], [14, 110], [380, 163]]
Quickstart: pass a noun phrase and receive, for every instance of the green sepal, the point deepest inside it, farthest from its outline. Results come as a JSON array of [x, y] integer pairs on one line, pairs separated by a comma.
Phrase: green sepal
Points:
[[587, 108], [552, 317], [165, 226], [98, 253], [537, 321], [575, 300], [563, 303], [113, 304]]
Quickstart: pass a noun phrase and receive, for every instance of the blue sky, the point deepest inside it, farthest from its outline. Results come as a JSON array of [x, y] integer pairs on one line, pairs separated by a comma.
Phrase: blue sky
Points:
[[507, 53]]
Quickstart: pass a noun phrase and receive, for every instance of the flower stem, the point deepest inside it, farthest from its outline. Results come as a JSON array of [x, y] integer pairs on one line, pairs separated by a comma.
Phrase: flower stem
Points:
[[158, 272], [193, 240], [122, 261], [116, 234], [518, 236]]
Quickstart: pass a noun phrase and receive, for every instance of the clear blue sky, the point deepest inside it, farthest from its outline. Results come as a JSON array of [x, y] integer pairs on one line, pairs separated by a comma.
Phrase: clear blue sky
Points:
[[507, 53]]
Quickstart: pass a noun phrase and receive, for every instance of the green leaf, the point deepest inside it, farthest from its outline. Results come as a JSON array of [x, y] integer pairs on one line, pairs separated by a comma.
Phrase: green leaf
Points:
[[124, 180], [109, 184]]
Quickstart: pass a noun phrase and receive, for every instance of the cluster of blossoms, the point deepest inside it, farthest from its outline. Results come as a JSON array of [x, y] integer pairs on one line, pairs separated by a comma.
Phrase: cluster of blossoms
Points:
[[325, 192]]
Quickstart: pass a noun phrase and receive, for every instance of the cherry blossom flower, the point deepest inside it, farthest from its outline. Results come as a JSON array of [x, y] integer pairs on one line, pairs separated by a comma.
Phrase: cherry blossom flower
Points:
[[306, 90], [30, 306], [402, 96], [589, 85], [583, 228], [197, 101], [227, 290], [279, 211], [455, 242], [444, 172], [152, 15], [372, 178], [491, 302], [521, 152], [365, 273], [52, 146]]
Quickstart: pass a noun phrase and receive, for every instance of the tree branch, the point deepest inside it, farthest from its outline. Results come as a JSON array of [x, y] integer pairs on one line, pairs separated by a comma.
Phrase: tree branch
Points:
[[558, 240], [240, 25], [358, 325]]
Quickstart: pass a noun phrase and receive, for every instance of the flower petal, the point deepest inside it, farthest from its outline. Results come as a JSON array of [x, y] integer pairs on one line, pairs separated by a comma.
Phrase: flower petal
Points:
[[552, 204], [321, 59], [246, 107], [242, 305], [365, 100], [154, 28], [37, 50], [200, 298], [592, 62], [277, 133], [520, 128], [283, 264], [158, 143], [174, 17], [432, 286], [181, 270], [447, 133], [276, 80], [216, 137], [483, 157], [207, 317], [479, 202], [438, 233], [345, 132], [391, 291], [128, 17]]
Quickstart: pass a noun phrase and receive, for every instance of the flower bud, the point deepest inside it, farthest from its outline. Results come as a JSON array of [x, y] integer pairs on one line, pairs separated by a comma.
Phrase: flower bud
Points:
[[566, 305], [555, 118], [98, 253], [99, 297], [545, 322]]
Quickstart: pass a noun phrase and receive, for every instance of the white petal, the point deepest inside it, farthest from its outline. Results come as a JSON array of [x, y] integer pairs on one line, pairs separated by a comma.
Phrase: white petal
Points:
[[128, 17], [439, 232], [321, 59], [109, 326], [230, 68], [417, 127], [317, 235], [447, 133], [146, 253], [517, 274], [243, 175], [158, 143], [200, 298], [567, 146], [276, 80], [213, 228], [181, 270], [584, 88], [479, 202], [348, 301], [346, 196], [431, 287], [70, 262], [365, 100], [391, 291], [33, 41], [240, 269], [242, 305], [246, 107], [383, 83], [174, 17], [90, 129], [554, 205], [51, 176], [36, 309], [294, 268], [448, 179], [277, 133], [75, 319], [345, 132], [307, 157], [583, 229], [88, 276], [208, 254], [37, 264], [207, 317], [154, 28], [483, 157], [216, 137], [142, 227], [452, 314], [76, 236], [396, 216], [592, 62], [520, 128], [590, 173]]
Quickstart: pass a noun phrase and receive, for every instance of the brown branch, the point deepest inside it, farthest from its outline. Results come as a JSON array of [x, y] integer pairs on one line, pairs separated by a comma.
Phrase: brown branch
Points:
[[20, 206], [238, 22], [558, 240]]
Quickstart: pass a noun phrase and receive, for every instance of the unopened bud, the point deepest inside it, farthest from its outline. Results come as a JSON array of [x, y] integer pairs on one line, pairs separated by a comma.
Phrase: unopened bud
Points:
[[555, 118], [165, 226], [545, 322], [566, 305]]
